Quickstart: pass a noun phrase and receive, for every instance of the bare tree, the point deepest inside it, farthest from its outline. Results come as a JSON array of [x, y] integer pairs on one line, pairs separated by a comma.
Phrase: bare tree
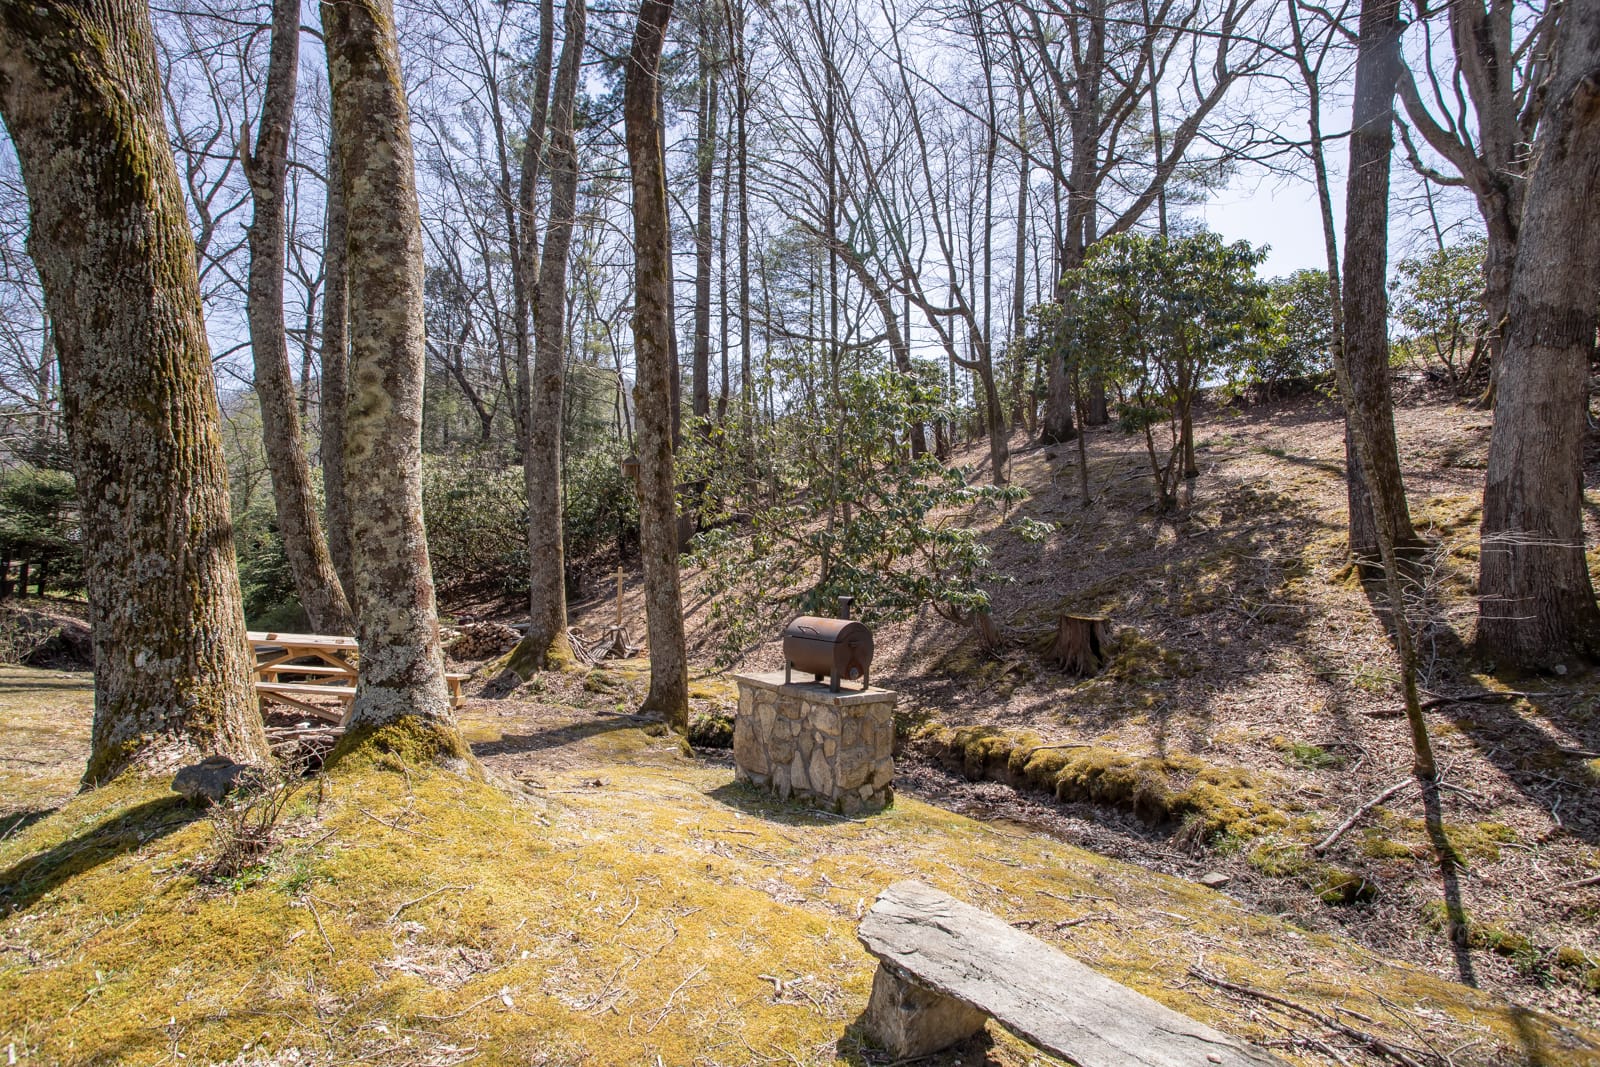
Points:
[[80, 94], [1536, 600], [657, 367], [1480, 117], [1375, 482], [335, 374], [266, 167], [545, 644], [402, 665]]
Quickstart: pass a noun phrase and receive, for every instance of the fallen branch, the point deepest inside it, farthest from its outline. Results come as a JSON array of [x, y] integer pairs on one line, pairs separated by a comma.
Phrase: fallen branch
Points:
[[426, 896], [1371, 1041], [1482, 696], [1343, 828], [1581, 882]]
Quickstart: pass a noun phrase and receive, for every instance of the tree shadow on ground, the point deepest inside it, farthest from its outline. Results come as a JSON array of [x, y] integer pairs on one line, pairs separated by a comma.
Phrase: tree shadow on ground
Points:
[[1523, 746], [25, 882], [559, 736], [747, 799], [856, 1049], [15, 822]]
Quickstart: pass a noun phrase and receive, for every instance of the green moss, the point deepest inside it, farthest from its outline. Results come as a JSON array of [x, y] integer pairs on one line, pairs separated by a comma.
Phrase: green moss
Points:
[[1471, 842], [599, 681], [1278, 860], [711, 731], [1492, 937], [1307, 756], [409, 741], [1215, 800], [1379, 845], [1338, 887]]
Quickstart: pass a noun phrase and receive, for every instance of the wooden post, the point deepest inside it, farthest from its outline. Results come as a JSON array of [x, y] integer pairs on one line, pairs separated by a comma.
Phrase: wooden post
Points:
[[620, 574]]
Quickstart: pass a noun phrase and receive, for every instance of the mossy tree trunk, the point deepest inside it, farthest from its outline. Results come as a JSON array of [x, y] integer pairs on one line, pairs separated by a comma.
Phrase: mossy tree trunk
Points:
[[654, 397], [402, 665], [1366, 298], [304, 546], [546, 645], [1536, 601], [335, 377], [80, 94]]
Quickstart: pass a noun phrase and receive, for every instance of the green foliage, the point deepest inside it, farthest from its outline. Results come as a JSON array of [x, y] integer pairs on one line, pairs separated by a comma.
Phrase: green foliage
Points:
[[270, 599], [601, 505], [477, 518], [1158, 319], [39, 524], [1437, 303], [1298, 347], [847, 512], [477, 525]]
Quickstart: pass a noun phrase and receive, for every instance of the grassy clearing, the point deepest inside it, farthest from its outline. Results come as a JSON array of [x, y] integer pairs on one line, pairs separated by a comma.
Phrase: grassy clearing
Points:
[[633, 906]]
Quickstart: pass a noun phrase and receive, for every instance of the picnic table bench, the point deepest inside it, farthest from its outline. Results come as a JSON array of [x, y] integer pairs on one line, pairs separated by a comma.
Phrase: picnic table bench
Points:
[[333, 675], [946, 967]]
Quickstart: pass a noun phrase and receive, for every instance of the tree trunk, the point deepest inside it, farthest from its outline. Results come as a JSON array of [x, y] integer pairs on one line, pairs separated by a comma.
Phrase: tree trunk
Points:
[[1081, 645], [401, 683], [335, 377], [705, 158], [1536, 602], [545, 646], [1366, 257], [522, 230], [654, 395], [80, 95], [315, 579]]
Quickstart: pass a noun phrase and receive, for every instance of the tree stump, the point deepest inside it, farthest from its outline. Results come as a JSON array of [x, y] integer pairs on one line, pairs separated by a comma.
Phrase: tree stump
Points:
[[1081, 643]]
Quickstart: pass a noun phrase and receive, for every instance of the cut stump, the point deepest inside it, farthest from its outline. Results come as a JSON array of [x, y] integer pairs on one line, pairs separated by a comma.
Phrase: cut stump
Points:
[[1081, 643]]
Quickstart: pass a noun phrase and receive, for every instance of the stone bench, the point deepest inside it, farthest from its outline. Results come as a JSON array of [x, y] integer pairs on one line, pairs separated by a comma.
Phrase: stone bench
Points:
[[946, 967]]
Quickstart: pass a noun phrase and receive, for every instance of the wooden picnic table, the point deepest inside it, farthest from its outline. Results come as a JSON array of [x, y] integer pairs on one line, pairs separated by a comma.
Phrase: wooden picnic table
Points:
[[332, 675]]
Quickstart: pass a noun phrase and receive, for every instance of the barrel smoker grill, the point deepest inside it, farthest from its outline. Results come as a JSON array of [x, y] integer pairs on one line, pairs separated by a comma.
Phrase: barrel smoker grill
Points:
[[833, 648]]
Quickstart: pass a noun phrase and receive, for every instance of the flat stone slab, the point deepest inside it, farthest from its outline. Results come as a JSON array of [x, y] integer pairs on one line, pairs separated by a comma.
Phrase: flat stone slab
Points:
[[1037, 992], [817, 692]]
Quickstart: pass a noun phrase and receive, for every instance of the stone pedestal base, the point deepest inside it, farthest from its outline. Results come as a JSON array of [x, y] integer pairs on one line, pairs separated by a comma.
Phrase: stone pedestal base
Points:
[[835, 750], [909, 1021]]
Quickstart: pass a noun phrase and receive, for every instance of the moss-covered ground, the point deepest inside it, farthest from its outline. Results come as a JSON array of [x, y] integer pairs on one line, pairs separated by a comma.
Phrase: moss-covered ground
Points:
[[604, 899]]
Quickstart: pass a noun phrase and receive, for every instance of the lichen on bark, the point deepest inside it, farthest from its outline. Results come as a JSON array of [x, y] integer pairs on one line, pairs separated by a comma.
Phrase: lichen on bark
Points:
[[80, 94], [402, 664]]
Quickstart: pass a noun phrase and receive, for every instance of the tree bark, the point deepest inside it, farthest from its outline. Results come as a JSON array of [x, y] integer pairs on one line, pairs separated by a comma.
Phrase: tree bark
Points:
[[545, 646], [80, 95], [1536, 602], [705, 159], [521, 226], [335, 377], [315, 579], [401, 682], [1366, 258], [654, 396]]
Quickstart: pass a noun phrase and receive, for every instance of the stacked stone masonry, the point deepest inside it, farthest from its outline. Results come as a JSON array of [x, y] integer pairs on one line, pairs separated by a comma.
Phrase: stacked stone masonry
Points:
[[833, 750]]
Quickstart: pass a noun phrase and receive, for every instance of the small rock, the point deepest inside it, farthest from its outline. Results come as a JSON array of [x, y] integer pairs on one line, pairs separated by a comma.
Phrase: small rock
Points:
[[1560, 669], [210, 780], [1214, 879]]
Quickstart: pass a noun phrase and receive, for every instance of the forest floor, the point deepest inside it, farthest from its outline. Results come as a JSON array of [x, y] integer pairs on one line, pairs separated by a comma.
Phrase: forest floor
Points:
[[600, 899], [1249, 653]]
